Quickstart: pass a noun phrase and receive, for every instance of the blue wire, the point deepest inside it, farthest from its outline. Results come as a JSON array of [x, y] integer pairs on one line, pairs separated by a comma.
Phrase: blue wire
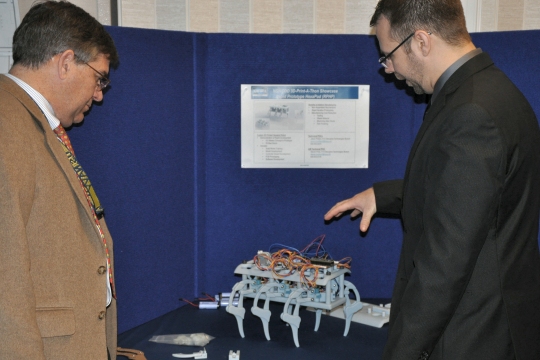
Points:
[[321, 253], [281, 246]]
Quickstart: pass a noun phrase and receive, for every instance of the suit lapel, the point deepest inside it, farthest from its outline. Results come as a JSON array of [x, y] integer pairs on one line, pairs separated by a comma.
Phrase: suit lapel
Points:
[[50, 139], [429, 115], [471, 67]]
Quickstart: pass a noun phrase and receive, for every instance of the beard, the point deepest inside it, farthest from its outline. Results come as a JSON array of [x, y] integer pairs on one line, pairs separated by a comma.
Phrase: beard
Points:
[[416, 70], [418, 90]]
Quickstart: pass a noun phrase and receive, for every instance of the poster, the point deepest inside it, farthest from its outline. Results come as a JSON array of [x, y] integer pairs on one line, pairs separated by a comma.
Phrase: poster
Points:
[[304, 126]]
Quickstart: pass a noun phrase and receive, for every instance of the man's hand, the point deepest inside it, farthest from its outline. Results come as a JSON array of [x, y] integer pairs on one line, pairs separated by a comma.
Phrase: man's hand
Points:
[[363, 202]]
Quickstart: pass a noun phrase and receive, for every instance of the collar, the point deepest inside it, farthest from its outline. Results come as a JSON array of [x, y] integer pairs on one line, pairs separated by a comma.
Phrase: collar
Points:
[[40, 101], [451, 70]]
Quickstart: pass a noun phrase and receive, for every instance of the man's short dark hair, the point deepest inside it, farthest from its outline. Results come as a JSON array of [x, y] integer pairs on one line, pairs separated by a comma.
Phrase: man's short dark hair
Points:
[[445, 18], [52, 27]]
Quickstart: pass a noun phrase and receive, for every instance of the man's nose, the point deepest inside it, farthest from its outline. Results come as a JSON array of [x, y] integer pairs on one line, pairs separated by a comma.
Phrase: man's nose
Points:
[[389, 69], [98, 94]]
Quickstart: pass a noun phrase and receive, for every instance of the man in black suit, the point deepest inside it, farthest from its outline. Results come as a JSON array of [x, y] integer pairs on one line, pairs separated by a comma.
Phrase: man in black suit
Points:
[[468, 279]]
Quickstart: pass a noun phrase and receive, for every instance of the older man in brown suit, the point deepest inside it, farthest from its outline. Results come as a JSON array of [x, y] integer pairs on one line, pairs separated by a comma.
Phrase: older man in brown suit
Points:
[[56, 290]]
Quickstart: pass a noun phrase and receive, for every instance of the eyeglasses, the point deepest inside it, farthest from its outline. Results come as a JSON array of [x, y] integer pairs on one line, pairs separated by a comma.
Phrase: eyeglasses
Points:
[[103, 80], [383, 59]]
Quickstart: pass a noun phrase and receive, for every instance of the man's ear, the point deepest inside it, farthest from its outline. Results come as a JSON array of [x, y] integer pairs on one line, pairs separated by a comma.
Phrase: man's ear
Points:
[[423, 41], [65, 63]]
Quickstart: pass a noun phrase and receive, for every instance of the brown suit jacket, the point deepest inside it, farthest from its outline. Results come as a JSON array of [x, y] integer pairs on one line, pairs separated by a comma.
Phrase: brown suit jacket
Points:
[[52, 284]]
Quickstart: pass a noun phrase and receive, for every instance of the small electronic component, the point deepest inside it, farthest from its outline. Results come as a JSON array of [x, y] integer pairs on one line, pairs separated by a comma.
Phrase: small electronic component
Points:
[[224, 298], [322, 262], [208, 305]]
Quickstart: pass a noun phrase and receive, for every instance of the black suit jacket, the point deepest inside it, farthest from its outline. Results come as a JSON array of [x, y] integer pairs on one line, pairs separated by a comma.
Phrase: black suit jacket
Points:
[[468, 280]]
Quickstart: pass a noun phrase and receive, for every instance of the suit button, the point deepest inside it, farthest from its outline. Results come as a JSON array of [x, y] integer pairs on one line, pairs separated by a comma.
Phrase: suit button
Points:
[[101, 315], [423, 356], [102, 270]]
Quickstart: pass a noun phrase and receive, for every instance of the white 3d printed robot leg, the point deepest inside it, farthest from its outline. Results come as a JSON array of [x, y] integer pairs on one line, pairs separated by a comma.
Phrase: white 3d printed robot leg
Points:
[[293, 319], [238, 311], [350, 308], [265, 313], [317, 319]]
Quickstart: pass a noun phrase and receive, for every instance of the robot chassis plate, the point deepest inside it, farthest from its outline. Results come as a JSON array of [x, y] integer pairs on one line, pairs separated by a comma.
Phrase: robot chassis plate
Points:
[[330, 291]]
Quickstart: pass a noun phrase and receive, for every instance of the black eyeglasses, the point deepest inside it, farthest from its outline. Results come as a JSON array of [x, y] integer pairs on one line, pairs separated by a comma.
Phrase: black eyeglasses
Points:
[[383, 59], [103, 80]]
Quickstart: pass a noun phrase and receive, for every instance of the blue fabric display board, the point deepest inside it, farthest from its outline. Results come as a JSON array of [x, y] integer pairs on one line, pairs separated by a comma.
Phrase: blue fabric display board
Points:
[[163, 152]]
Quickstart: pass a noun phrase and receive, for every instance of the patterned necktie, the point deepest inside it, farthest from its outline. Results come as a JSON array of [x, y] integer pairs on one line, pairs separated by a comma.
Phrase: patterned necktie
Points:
[[64, 139], [91, 197]]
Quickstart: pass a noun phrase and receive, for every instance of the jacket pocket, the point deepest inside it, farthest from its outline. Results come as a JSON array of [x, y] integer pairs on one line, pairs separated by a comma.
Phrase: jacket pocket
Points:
[[58, 321]]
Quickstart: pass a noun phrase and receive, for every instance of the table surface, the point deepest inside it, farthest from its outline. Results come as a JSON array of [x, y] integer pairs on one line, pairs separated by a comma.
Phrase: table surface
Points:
[[362, 342]]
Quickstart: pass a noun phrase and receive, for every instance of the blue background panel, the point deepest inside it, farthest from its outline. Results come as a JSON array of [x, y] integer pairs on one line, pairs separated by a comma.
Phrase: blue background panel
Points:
[[163, 152]]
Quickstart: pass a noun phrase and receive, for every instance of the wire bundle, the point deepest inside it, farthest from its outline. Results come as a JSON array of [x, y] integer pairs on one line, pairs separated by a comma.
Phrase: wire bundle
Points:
[[288, 260]]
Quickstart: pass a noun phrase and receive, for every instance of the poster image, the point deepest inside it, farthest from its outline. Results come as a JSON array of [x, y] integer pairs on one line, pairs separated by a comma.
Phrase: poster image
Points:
[[305, 126]]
